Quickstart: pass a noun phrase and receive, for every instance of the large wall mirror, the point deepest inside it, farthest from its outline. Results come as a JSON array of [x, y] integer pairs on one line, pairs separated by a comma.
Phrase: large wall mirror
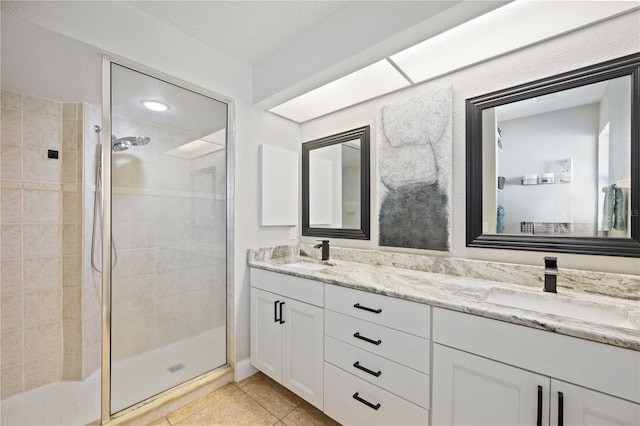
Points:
[[554, 165], [335, 185]]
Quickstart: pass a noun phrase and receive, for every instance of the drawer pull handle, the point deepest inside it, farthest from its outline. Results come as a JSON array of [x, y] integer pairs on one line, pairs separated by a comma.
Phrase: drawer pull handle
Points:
[[365, 402], [364, 308], [366, 339], [281, 320], [366, 370]]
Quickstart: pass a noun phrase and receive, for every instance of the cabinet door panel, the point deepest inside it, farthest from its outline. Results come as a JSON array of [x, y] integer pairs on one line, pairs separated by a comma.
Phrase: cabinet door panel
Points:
[[266, 341], [470, 390], [303, 350], [585, 407]]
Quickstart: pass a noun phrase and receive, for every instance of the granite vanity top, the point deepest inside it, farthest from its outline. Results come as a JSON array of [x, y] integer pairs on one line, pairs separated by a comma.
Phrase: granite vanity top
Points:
[[461, 293]]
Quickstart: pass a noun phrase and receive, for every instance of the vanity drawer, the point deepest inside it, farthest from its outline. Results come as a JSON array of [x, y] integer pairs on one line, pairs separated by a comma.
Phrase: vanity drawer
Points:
[[396, 378], [403, 315], [340, 404], [395, 345]]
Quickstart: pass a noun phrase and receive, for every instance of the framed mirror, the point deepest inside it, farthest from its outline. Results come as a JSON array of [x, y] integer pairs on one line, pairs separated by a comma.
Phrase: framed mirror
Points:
[[554, 165], [335, 185]]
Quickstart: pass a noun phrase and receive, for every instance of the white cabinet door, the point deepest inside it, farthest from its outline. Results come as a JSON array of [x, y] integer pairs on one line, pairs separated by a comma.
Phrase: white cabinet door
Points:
[[302, 350], [471, 390], [266, 333], [576, 406]]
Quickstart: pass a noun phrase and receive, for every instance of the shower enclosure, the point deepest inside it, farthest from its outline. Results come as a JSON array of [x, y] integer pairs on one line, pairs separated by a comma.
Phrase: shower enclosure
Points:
[[164, 202], [114, 240]]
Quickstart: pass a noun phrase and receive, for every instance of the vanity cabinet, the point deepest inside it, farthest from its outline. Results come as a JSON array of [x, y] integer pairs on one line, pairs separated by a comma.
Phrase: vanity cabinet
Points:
[[287, 333], [488, 372], [377, 359]]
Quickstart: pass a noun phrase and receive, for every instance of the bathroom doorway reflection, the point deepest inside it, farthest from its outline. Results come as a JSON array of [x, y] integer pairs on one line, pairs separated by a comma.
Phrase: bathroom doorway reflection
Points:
[[168, 225]]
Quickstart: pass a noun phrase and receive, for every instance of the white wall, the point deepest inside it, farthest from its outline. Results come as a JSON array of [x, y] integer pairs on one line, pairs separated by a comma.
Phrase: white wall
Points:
[[532, 145], [606, 40], [255, 127], [325, 207], [615, 108]]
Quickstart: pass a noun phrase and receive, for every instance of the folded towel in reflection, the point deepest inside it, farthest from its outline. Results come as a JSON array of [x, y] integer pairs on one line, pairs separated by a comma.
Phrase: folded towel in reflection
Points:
[[613, 215], [619, 212], [500, 220]]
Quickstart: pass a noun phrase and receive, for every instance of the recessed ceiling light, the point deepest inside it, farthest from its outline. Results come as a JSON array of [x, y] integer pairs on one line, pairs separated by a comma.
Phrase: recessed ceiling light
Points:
[[155, 105]]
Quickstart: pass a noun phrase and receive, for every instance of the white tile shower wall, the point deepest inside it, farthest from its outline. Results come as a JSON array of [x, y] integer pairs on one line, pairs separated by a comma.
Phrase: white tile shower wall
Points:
[[91, 293], [168, 224], [34, 227], [72, 240]]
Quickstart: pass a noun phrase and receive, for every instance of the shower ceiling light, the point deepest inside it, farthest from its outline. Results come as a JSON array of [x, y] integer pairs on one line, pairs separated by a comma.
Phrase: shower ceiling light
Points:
[[155, 105]]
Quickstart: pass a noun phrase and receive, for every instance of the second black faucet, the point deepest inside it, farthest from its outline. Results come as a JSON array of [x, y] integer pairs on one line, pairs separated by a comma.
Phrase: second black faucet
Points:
[[550, 274], [325, 249]]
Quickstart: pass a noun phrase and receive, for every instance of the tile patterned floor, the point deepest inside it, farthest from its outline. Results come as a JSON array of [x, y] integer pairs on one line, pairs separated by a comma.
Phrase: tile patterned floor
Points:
[[257, 400]]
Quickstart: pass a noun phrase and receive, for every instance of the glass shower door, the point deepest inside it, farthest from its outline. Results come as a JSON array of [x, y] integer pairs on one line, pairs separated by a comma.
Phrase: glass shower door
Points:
[[168, 226]]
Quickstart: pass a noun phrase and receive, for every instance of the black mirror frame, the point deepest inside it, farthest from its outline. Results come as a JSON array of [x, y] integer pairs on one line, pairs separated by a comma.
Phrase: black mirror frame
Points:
[[362, 133], [628, 247]]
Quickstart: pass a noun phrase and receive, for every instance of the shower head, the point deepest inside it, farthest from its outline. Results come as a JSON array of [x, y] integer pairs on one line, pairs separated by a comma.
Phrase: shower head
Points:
[[122, 144], [141, 140]]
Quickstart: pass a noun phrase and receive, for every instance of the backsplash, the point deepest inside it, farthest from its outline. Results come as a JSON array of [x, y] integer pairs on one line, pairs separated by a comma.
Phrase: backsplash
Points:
[[606, 284]]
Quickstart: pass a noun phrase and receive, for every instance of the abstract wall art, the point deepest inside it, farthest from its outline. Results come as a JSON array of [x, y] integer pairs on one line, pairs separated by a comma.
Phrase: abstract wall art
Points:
[[414, 139]]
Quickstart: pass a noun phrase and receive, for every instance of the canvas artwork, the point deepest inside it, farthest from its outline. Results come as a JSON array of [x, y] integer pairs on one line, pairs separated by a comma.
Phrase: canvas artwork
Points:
[[414, 153]]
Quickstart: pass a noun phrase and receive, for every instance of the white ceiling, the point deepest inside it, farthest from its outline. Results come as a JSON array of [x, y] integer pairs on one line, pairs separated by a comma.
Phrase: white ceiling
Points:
[[248, 30]]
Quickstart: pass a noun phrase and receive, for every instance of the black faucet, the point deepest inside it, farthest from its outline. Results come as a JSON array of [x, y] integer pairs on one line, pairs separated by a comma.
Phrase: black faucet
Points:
[[325, 249], [550, 274]]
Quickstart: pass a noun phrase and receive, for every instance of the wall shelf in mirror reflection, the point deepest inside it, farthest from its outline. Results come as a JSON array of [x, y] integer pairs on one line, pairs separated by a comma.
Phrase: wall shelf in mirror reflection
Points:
[[568, 150], [335, 185]]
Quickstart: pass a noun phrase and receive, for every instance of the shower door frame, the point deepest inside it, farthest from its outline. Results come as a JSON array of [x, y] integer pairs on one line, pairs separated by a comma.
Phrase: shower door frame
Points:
[[105, 196]]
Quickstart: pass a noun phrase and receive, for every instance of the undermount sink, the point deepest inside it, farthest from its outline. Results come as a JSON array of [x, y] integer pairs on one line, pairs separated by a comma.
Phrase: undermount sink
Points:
[[307, 265], [563, 306]]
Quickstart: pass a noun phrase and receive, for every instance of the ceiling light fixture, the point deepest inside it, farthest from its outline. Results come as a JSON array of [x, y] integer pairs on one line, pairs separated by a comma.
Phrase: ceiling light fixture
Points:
[[366, 83], [526, 23], [505, 29], [155, 105]]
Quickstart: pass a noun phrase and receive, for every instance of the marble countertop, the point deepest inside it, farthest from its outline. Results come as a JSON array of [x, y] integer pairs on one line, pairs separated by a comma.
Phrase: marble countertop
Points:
[[468, 295]]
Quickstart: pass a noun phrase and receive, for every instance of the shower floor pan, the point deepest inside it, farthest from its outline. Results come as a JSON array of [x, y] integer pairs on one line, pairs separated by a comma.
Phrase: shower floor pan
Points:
[[72, 403]]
